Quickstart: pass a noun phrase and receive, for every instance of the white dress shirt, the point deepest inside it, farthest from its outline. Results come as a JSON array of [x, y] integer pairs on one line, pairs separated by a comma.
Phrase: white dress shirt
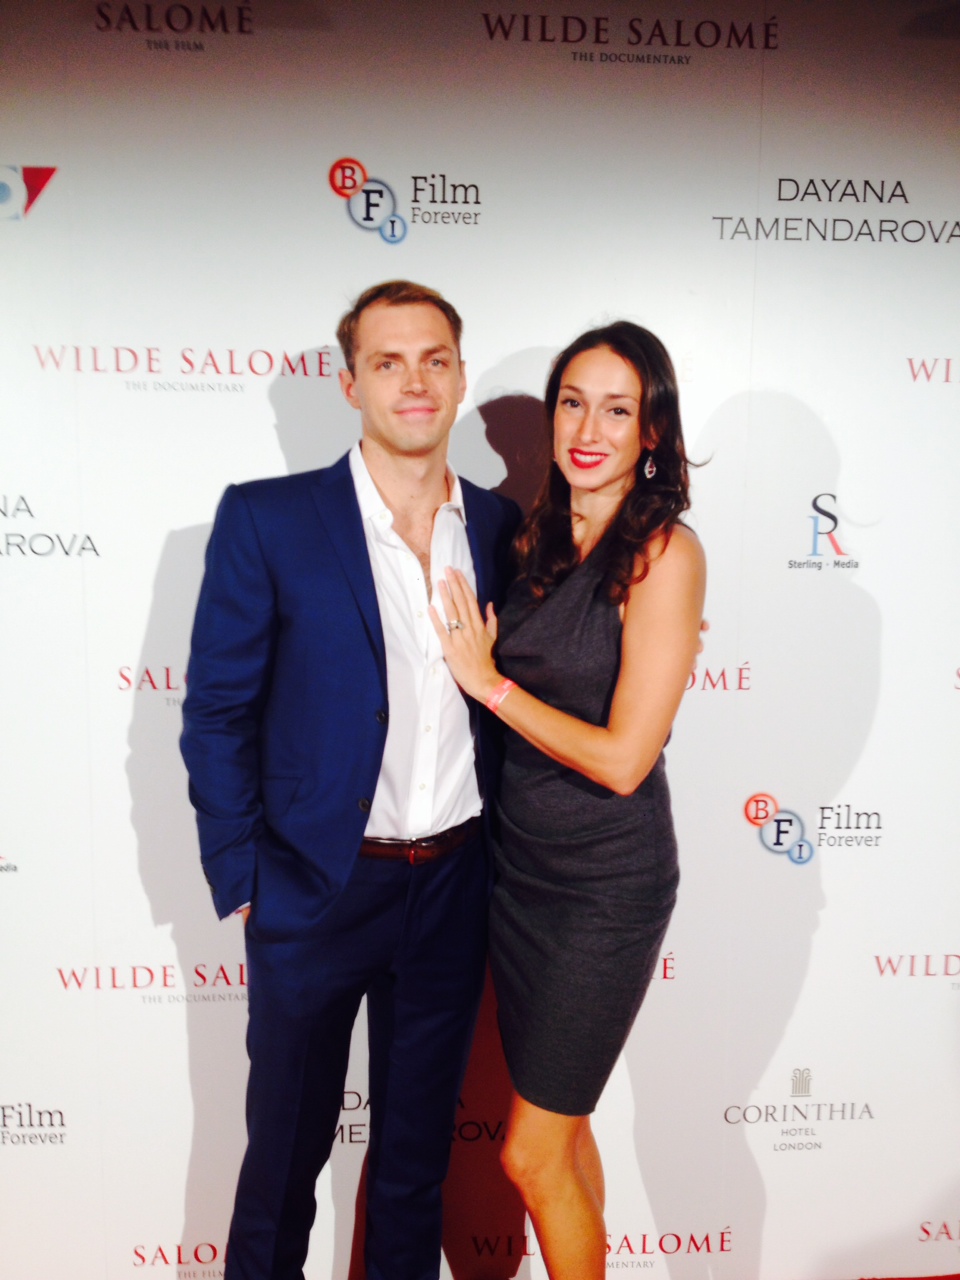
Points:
[[428, 778]]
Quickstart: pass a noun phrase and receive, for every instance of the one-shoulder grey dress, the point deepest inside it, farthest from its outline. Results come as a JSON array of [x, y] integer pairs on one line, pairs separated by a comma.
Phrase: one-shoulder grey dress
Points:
[[586, 879]]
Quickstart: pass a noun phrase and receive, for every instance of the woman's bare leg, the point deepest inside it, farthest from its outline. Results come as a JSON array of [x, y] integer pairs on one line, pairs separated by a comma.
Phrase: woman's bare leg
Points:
[[553, 1161], [589, 1158]]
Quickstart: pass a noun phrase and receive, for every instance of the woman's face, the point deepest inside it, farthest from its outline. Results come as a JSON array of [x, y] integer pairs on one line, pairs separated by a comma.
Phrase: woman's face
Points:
[[596, 424]]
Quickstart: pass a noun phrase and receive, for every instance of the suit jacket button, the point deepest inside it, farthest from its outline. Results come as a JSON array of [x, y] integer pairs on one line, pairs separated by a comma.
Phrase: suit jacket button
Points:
[[364, 804], [381, 717]]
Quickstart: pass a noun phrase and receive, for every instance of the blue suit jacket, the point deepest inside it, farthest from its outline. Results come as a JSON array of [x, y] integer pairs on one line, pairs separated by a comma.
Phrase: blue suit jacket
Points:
[[286, 712]]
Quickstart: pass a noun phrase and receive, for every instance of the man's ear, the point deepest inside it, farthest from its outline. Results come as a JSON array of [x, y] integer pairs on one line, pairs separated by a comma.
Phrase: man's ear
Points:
[[348, 386]]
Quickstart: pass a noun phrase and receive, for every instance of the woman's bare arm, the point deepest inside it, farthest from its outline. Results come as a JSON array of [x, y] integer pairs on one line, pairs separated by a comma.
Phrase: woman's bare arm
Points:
[[661, 635]]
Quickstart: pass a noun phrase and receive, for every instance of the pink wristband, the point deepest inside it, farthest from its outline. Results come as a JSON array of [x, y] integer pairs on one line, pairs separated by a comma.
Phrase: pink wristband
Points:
[[498, 695]]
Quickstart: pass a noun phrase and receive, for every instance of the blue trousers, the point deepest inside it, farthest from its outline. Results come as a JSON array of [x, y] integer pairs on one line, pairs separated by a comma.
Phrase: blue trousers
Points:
[[412, 939]]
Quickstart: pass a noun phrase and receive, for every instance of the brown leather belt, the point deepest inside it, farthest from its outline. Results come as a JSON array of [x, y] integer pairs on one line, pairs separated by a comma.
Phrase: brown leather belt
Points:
[[426, 848]]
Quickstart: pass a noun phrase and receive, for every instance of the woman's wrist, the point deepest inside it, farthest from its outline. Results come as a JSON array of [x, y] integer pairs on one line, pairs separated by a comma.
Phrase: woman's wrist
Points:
[[497, 694], [486, 686]]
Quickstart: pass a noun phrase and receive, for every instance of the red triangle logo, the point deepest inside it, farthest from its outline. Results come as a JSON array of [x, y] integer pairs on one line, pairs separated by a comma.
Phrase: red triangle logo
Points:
[[35, 178]]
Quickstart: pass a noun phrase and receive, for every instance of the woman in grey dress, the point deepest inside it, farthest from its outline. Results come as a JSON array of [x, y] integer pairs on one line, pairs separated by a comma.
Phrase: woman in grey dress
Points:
[[595, 645]]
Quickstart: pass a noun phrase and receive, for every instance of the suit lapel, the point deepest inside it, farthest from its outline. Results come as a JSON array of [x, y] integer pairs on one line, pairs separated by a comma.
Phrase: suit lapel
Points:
[[479, 540], [336, 501]]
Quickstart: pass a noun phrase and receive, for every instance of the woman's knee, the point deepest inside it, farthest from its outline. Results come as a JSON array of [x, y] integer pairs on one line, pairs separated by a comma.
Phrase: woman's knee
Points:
[[512, 1158], [534, 1162]]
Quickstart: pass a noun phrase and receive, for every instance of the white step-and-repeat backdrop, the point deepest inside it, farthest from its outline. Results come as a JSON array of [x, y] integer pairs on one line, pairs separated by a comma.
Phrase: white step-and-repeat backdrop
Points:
[[190, 195]]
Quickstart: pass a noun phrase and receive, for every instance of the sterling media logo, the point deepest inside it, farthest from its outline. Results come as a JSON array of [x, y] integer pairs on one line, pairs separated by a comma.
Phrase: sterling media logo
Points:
[[435, 200], [825, 549], [20, 185], [781, 830]]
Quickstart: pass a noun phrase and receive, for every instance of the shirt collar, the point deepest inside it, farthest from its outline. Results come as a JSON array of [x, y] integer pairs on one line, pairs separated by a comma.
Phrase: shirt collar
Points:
[[372, 505]]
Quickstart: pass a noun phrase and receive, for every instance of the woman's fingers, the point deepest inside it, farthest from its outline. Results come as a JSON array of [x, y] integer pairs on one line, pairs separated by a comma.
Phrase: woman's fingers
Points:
[[457, 611], [443, 635], [464, 600], [452, 610], [493, 625], [467, 638]]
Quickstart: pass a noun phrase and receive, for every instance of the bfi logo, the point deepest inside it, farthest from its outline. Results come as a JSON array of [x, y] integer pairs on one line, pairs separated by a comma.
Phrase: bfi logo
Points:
[[20, 185], [371, 203], [781, 830], [436, 200]]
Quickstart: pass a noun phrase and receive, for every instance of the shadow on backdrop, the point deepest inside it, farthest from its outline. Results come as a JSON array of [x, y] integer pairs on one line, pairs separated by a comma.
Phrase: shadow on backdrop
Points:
[[314, 427], [484, 1217], [515, 430], [743, 930]]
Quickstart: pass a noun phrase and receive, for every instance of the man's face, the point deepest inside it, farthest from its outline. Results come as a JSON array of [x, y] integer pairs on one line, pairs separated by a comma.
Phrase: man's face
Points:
[[408, 379]]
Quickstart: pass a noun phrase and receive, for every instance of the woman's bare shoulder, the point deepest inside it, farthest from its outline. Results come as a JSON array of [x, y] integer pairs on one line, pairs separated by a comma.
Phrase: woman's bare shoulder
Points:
[[679, 551]]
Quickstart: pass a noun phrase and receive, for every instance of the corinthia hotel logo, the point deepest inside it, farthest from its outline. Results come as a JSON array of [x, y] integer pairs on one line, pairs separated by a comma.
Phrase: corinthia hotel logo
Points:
[[800, 1120], [19, 187]]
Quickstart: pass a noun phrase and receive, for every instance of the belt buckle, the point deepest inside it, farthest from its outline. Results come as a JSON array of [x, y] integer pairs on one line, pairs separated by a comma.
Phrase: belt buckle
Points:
[[418, 850]]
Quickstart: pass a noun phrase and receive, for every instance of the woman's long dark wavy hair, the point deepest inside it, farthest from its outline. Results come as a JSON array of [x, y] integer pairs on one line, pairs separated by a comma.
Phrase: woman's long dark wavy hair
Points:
[[545, 550]]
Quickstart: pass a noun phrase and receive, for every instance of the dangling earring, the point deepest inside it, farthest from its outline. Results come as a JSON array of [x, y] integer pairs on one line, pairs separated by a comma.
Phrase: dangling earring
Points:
[[649, 467]]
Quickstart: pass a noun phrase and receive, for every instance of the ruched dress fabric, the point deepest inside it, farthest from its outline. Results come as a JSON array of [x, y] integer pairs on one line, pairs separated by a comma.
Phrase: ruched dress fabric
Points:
[[586, 879]]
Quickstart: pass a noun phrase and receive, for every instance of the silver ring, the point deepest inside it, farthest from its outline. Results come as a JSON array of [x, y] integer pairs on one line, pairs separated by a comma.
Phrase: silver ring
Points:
[[455, 625]]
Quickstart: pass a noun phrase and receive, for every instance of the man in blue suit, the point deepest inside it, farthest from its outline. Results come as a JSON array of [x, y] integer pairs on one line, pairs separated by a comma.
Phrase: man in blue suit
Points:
[[338, 774]]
